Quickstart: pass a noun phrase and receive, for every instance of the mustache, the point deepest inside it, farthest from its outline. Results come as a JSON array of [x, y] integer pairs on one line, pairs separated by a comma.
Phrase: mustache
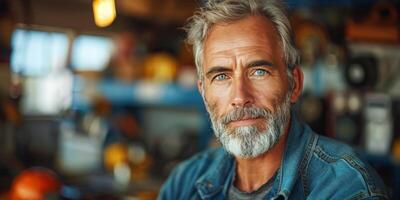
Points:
[[245, 113]]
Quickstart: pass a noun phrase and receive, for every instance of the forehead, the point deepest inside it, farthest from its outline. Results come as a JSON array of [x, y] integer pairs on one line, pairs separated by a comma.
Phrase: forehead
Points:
[[251, 33]]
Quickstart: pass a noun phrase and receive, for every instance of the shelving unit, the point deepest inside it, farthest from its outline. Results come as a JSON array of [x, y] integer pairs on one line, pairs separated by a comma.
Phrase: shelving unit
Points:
[[142, 94]]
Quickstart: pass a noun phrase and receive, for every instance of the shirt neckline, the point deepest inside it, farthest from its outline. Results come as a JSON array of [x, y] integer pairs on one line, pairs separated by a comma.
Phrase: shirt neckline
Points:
[[267, 184]]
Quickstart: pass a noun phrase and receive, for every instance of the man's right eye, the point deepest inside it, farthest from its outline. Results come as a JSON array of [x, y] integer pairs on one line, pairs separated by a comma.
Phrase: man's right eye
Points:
[[220, 77]]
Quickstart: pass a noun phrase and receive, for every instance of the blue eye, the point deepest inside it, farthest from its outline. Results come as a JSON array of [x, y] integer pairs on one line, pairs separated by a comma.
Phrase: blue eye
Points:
[[220, 77], [260, 72]]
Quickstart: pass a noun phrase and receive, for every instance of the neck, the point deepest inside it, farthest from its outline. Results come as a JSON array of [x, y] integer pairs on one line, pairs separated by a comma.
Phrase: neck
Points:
[[252, 173]]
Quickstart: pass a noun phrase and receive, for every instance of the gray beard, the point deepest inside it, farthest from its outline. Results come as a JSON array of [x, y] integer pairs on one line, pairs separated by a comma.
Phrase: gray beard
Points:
[[251, 141]]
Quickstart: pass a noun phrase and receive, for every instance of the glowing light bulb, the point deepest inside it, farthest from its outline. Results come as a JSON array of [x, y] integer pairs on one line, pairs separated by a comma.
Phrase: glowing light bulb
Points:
[[104, 12]]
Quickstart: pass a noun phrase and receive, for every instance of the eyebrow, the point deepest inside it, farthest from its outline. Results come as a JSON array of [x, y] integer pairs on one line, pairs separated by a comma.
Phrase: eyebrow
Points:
[[259, 63], [216, 69]]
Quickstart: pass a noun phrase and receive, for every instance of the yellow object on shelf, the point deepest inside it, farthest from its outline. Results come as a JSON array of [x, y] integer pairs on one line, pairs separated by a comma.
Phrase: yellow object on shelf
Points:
[[160, 67], [115, 154]]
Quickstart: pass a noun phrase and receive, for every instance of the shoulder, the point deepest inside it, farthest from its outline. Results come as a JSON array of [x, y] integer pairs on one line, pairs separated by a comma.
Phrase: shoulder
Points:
[[182, 180], [336, 169]]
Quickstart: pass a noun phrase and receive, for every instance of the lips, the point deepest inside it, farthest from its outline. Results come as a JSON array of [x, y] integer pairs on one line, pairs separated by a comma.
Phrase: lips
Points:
[[244, 116], [245, 121]]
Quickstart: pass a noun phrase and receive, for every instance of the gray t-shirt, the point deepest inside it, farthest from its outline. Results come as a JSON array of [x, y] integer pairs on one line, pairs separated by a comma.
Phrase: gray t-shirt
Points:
[[236, 194]]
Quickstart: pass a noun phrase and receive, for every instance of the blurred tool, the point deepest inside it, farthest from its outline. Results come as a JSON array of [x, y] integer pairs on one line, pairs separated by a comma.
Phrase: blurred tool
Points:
[[95, 123], [34, 184], [116, 160], [78, 153], [127, 163], [386, 57], [362, 72], [378, 124], [347, 114], [82, 139], [122, 174], [354, 102]]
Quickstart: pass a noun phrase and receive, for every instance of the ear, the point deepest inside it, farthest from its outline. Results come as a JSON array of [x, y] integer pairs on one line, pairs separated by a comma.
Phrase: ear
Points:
[[200, 87], [297, 84]]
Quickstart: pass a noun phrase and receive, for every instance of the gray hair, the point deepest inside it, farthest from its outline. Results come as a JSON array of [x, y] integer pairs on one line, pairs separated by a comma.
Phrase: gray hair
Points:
[[225, 11]]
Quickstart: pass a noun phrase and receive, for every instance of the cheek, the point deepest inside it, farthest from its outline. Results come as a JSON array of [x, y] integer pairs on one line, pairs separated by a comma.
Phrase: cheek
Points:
[[269, 96], [217, 100]]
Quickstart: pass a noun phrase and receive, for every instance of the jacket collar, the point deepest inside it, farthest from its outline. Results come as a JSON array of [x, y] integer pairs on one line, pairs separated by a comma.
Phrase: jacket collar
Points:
[[297, 154], [215, 183], [217, 179]]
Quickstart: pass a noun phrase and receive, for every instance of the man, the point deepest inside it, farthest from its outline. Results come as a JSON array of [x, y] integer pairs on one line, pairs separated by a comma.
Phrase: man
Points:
[[249, 78]]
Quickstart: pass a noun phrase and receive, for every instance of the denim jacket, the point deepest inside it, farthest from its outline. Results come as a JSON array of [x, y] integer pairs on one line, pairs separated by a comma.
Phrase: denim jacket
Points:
[[312, 167]]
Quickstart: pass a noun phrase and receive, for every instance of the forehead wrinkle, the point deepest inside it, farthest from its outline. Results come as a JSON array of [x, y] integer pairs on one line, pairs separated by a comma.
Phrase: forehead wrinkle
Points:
[[257, 38], [265, 32], [220, 44], [239, 51], [241, 55]]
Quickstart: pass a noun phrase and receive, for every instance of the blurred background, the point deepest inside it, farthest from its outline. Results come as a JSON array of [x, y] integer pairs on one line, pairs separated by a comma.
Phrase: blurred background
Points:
[[98, 98]]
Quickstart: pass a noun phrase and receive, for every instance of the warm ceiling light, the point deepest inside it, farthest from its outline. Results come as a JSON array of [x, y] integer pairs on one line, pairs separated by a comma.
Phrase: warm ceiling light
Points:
[[104, 12]]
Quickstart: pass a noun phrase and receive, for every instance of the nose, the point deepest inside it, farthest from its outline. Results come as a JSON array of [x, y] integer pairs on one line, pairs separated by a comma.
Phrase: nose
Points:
[[241, 93]]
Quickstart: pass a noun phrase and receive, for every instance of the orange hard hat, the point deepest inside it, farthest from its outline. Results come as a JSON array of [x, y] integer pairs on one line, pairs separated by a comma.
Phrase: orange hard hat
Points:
[[34, 184]]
